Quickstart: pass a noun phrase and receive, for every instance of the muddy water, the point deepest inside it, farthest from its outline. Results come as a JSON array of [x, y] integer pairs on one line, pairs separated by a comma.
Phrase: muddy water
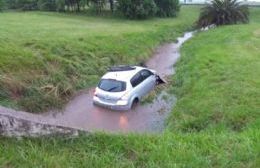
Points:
[[167, 55], [81, 113]]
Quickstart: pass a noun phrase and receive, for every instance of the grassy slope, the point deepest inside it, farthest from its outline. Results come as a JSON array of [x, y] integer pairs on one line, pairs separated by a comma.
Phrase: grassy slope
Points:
[[221, 147], [100, 150], [45, 57], [217, 79]]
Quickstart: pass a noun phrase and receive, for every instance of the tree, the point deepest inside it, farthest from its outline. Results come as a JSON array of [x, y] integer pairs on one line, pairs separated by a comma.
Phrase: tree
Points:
[[167, 8], [60, 5], [47, 5], [111, 2], [74, 5], [223, 12], [10, 4], [137, 9], [97, 5], [1, 5], [22, 4]]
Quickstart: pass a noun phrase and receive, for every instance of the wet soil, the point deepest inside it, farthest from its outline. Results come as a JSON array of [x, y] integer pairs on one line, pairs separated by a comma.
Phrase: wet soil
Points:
[[81, 113]]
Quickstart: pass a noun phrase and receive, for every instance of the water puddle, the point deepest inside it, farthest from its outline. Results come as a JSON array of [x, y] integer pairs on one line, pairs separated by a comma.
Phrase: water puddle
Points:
[[81, 113]]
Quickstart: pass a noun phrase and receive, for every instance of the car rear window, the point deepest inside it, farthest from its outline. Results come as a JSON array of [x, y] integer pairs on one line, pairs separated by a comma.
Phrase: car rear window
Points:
[[111, 85]]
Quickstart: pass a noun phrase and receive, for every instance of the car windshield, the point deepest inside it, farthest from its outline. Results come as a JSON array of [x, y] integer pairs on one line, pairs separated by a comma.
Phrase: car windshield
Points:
[[111, 85]]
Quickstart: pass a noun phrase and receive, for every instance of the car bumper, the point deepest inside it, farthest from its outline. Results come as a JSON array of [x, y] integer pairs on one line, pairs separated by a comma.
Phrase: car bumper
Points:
[[113, 106]]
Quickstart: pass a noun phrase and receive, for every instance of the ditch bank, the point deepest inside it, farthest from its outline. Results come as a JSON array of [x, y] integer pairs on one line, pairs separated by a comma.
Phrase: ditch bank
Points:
[[81, 114]]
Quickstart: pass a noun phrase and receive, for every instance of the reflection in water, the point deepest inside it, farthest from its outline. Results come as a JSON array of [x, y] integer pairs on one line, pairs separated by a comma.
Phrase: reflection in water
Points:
[[123, 122]]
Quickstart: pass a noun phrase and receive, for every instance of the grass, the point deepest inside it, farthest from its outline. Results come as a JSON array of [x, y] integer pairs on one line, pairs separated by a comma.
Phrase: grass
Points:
[[46, 57], [217, 80], [215, 122], [151, 151]]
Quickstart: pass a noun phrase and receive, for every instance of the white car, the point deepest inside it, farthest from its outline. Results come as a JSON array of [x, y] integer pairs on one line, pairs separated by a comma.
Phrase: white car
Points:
[[122, 87]]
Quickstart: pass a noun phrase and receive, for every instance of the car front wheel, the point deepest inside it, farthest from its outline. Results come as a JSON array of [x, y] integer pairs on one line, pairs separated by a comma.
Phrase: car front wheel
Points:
[[134, 103]]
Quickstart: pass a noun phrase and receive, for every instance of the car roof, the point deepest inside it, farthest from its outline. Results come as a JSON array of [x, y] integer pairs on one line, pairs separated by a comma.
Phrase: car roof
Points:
[[124, 75]]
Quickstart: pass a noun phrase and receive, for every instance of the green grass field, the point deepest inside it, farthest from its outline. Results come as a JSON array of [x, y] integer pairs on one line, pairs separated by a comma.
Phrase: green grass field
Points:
[[169, 150], [46, 57], [218, 79], [214, 124]]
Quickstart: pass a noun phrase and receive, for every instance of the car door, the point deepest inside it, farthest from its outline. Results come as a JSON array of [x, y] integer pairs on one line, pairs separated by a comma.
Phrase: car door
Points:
[[143, 82], [149, 81], [137, 87]]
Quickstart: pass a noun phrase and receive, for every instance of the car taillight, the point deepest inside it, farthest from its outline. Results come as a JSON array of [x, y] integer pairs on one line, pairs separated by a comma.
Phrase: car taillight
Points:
[[95, 92]]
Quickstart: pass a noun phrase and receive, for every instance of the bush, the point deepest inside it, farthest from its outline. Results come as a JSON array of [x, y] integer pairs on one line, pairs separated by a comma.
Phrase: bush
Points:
[[137, 9], [167, 8], [47, 5], [97, 5], [60, 4], [1, 5], [22, 4], [223, 12], [10, 4]]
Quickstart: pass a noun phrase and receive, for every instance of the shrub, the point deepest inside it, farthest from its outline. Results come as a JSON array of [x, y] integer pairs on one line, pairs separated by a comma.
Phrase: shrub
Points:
[[10, 4], [167, 8], [60, 4], [47, 5], [223, 12], [97, 5], [1, 5], [137, 9], [22, 4]]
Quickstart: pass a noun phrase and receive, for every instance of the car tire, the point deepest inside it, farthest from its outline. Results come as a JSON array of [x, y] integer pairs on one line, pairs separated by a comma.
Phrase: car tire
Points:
[[134, 103]]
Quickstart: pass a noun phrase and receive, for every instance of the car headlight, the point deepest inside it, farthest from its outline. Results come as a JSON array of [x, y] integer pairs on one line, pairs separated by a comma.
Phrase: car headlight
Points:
[[125, 96], [122, 102]]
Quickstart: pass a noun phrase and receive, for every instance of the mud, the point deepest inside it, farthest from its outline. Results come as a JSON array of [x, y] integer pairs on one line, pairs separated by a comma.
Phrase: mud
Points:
[[80, 113]]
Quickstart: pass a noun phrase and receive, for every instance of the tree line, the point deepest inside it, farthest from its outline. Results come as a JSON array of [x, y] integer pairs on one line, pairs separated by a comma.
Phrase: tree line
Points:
[[133, 9], [50, 5]]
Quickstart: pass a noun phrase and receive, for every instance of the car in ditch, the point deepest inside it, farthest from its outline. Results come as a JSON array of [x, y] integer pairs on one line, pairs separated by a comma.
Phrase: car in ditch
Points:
[[122, 87]]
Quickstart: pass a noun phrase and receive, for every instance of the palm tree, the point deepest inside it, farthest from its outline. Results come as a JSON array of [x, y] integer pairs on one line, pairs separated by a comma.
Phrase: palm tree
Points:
[[223, 12]]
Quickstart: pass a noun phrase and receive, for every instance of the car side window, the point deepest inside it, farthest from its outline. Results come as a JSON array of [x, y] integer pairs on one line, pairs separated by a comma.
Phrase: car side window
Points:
[[136, 80], [140, 77], [145, 74]]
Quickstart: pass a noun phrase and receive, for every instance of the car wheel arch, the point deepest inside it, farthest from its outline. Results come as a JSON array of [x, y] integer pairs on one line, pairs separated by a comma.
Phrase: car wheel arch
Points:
[[134, 102]]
